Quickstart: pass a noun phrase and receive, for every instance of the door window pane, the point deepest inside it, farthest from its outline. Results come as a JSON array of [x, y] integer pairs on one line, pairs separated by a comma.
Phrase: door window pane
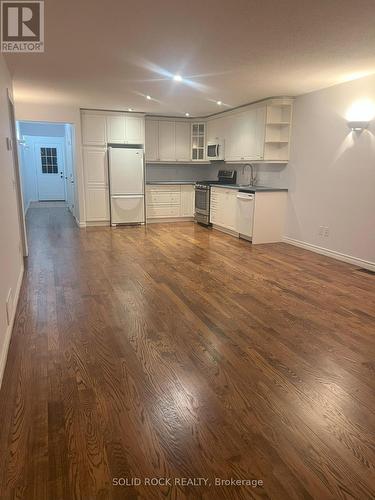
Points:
[[49, 160]]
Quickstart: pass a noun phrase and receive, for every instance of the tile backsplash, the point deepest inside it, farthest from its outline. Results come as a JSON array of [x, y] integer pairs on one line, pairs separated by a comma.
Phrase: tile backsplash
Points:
[[273, 175]]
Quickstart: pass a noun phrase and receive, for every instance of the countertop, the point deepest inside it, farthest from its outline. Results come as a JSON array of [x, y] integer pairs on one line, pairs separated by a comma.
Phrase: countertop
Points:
[[168, 183], [238, 187], [250, 189]]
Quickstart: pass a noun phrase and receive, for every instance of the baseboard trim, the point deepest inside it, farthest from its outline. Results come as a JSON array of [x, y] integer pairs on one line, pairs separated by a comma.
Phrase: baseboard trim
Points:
[[27, 208], [79, 223], [225, 230], [8, 332], [169, 219], [93, 223], [331, 253]]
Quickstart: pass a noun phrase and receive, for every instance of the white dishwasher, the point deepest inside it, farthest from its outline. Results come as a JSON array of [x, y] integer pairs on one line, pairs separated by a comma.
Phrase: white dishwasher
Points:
[[245, 214]]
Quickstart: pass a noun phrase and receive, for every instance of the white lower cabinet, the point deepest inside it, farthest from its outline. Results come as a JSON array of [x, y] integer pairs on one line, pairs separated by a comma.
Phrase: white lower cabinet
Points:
[[97, 204], [223, 205], [260, 218], [169, 201], [96, 184], [187, 200]]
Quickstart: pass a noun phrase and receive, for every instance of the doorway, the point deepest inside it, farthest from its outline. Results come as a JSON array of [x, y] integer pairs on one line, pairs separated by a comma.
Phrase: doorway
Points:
[[47, 163], [50, 170]]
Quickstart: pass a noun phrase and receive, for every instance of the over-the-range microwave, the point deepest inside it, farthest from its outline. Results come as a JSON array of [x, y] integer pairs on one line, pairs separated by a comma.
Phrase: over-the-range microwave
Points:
[[215, 149]]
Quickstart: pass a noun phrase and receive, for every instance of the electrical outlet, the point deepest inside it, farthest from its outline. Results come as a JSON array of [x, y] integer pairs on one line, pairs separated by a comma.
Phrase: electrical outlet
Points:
[[321, 230], [326, 232]]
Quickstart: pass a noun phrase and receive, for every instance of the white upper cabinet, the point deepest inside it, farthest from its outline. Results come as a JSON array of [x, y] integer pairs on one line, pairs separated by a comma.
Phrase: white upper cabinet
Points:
[[258, 132], [152, 140], [174, 141], [94, 130], [167, 150], [198, 142], [124, 129], [277, 132], [116, 129], [245, 135], [183, 137], [134, 129], [216, 129]]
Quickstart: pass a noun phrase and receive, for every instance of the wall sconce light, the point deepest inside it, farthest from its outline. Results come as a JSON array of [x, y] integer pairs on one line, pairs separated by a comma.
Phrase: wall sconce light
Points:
[[360, 114], [358, 125]]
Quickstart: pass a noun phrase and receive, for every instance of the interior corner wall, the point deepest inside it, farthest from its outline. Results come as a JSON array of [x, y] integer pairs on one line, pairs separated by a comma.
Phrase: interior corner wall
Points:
[[56, 113], [332, 174], [11, 260]]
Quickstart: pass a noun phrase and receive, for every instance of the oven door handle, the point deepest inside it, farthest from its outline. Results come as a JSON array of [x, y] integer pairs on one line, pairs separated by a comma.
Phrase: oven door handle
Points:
[[217, 150]]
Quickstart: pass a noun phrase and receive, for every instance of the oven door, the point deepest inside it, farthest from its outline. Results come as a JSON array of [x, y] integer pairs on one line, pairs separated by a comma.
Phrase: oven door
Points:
[[202, 201]]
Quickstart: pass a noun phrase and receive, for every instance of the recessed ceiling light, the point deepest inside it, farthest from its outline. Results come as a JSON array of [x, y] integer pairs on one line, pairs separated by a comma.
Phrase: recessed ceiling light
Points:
[[219, 103], [177, 78], [148, 97], [187, 114]]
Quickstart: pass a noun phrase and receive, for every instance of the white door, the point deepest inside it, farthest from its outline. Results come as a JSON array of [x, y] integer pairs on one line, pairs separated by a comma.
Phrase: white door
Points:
[[126, 171], [50, 167]]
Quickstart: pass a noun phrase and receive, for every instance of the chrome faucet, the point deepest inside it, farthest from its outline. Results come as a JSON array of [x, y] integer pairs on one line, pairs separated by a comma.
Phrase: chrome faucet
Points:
[[253, 176]]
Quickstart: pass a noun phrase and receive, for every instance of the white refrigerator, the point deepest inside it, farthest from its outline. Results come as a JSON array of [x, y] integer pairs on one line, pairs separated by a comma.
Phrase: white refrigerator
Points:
[[126, 185]]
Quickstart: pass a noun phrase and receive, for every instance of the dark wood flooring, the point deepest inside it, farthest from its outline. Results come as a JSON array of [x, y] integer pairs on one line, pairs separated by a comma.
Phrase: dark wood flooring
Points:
[[174, 351]]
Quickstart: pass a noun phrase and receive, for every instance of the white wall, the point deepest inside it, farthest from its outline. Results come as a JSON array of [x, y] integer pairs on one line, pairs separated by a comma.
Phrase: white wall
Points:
[[188, 172], [56, 113], [332, 173], [11, 261], [42, 129]]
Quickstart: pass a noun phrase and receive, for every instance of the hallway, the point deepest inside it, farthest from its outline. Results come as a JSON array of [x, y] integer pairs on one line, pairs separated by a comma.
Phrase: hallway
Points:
[[185, 353]]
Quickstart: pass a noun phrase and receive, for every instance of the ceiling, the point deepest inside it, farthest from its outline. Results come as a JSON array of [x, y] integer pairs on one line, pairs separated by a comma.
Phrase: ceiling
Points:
[[111, 54]]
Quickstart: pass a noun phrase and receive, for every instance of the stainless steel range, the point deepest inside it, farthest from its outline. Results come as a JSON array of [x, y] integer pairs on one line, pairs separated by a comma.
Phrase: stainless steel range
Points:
[[202, 194]]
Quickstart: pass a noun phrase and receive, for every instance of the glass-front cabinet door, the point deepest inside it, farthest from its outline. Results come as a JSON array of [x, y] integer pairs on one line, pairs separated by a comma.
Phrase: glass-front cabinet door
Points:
[[198, 141]]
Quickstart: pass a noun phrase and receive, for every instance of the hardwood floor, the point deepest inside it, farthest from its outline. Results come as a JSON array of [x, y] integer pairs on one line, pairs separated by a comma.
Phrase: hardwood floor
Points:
[[174, 351]]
